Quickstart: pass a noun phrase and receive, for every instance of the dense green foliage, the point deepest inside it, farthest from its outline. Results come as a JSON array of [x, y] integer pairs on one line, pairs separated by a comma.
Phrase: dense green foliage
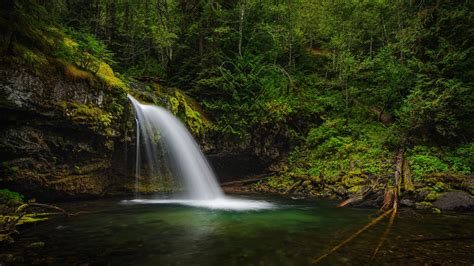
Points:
[[346, 82], [407, 62]]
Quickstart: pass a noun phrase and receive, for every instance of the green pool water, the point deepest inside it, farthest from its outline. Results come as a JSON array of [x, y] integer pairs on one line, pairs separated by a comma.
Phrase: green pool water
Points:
[[292, 233]]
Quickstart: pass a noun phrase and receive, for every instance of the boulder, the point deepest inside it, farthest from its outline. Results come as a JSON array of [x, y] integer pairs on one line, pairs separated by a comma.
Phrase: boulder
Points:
[[407, 202], [455, 200]]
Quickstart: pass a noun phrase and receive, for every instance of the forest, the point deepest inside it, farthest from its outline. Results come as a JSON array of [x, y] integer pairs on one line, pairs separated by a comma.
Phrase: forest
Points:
[[318, 113]]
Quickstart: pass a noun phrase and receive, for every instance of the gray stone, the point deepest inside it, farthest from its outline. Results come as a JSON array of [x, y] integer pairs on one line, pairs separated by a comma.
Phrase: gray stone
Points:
[[407, 202], [455, 200]]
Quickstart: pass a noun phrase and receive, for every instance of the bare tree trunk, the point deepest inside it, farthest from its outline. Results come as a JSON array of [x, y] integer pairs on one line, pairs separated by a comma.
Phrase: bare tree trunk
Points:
[[97, 18], [290, 35], [398, 175], [241, 25], [408, 184]]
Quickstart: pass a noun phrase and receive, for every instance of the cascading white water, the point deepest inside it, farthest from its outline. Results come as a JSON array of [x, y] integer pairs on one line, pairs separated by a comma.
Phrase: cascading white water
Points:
[[157, 125]]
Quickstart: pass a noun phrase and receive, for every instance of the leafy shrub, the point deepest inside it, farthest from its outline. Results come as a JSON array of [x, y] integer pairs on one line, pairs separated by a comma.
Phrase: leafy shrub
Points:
[[334, 145], [465, 155], [323, 132], [424, 162], [8, 195], [85, 51]]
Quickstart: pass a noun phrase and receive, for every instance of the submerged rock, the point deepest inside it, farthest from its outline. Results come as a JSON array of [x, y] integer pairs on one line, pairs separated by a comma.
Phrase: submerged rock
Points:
[[455, 200]]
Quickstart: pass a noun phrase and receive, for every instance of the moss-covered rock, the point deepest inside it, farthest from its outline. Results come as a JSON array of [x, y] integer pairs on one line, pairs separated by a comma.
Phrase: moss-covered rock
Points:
[[94, 118], [432, 196]]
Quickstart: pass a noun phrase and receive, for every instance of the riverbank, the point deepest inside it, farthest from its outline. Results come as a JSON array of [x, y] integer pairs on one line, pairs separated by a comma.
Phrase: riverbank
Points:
[[422, 197]]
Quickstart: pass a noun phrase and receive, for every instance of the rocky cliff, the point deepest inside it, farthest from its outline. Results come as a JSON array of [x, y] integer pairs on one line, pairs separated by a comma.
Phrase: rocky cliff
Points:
[[59, 136]]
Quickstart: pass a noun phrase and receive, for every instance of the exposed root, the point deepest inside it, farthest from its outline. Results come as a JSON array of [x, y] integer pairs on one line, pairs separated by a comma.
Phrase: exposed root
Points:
[[61, 210], [389, 199], [390, 206], [356, 198], [387, 230], [353, 236]]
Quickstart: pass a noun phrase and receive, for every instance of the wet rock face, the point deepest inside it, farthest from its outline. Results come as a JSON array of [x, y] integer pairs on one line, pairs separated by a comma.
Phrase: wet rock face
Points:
[[42, 153], [455, 200], [22, 90]]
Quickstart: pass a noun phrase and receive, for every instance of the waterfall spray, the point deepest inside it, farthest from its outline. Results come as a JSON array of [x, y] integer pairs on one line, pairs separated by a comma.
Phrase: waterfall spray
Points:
[[160, 132]]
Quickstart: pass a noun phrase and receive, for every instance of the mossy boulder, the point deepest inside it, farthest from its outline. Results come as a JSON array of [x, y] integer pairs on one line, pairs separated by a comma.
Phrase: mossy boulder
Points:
[[432, 196]]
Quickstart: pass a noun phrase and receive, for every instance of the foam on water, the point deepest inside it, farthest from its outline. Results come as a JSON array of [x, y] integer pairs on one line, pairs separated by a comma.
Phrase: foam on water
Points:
[[226, 203]]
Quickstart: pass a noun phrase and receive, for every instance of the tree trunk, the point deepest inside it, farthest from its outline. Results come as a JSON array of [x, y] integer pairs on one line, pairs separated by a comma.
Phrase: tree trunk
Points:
[[241, 25], [408, 184]]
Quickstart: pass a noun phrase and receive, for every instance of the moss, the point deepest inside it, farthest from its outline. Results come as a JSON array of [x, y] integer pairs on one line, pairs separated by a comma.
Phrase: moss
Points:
[[355, 189], [106, 74], [25, 219], [432, 196], [93, 117], [337, 149], [424, 205], [69, 51], [191, 117], [278, 183], [32, 218], [306, 183], [179, 104], [75, 73], [174, 105], [353, 178], [70, 44], [31, 57]]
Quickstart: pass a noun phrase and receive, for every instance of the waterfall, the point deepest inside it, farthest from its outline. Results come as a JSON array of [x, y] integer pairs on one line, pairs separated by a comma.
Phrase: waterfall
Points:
[[137, 162], [160, 133], [156, 125]]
